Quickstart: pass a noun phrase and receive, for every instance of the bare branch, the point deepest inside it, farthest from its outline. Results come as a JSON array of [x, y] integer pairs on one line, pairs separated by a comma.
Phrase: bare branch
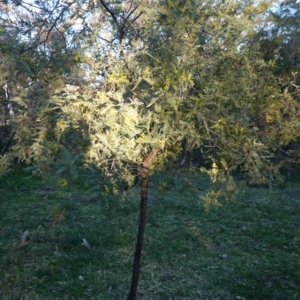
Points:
[[113, 16], [130, 24], [54, 25]]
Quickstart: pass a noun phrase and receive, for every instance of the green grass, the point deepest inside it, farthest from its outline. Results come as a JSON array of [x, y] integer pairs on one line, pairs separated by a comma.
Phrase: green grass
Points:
[[247, 249]]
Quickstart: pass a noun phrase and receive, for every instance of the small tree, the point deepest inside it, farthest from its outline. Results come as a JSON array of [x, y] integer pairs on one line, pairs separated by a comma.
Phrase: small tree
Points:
[[175, 70], [146, 75]]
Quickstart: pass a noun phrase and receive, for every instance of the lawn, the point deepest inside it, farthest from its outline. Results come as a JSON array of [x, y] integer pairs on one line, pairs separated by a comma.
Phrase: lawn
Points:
[[246, 249]]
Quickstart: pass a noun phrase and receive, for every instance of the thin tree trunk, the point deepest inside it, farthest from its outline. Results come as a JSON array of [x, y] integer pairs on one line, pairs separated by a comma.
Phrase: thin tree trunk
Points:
[[142, 224], [184, 151], [7, 143]]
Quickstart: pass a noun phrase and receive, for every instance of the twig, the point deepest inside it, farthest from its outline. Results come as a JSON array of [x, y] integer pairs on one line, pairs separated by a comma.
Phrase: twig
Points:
[[54, 25]]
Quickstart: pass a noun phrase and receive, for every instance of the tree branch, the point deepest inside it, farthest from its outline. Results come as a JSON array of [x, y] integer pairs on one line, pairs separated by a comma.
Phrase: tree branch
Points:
[[113, 16], [54, 25]]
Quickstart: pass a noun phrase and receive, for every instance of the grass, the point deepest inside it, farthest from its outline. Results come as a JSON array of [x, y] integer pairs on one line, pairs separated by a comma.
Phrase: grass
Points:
[[247, 249]]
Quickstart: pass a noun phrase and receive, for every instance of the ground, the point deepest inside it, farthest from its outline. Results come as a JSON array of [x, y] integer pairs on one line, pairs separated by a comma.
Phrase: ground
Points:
[[246, 249]]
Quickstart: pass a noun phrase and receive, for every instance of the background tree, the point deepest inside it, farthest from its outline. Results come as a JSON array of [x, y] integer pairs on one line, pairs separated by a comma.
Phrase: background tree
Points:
[[278, 38], [35, 58]]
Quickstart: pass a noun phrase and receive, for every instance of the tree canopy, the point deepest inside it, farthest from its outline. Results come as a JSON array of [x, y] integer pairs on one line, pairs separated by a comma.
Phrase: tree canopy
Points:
[[144, 74]]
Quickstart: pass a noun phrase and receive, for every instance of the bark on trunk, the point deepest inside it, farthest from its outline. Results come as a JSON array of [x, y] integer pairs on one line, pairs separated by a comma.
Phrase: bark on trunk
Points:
[[142, 223], [7, 143]]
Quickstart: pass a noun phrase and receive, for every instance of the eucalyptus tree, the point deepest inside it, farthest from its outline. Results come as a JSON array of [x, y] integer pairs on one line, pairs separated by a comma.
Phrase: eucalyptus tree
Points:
[[279, 37], [279, 41]]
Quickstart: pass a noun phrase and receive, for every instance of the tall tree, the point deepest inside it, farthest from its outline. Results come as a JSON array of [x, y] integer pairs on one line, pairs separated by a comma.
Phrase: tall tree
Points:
[[279, 37], [279, 40]]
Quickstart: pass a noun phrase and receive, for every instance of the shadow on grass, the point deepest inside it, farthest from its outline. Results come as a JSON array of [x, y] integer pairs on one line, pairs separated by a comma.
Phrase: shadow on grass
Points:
[[248, 249]]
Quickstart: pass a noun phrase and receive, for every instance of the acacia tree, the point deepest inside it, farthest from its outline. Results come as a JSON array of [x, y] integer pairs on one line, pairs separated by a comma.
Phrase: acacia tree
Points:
[[149, 74], [158, 72], [34, 58]]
